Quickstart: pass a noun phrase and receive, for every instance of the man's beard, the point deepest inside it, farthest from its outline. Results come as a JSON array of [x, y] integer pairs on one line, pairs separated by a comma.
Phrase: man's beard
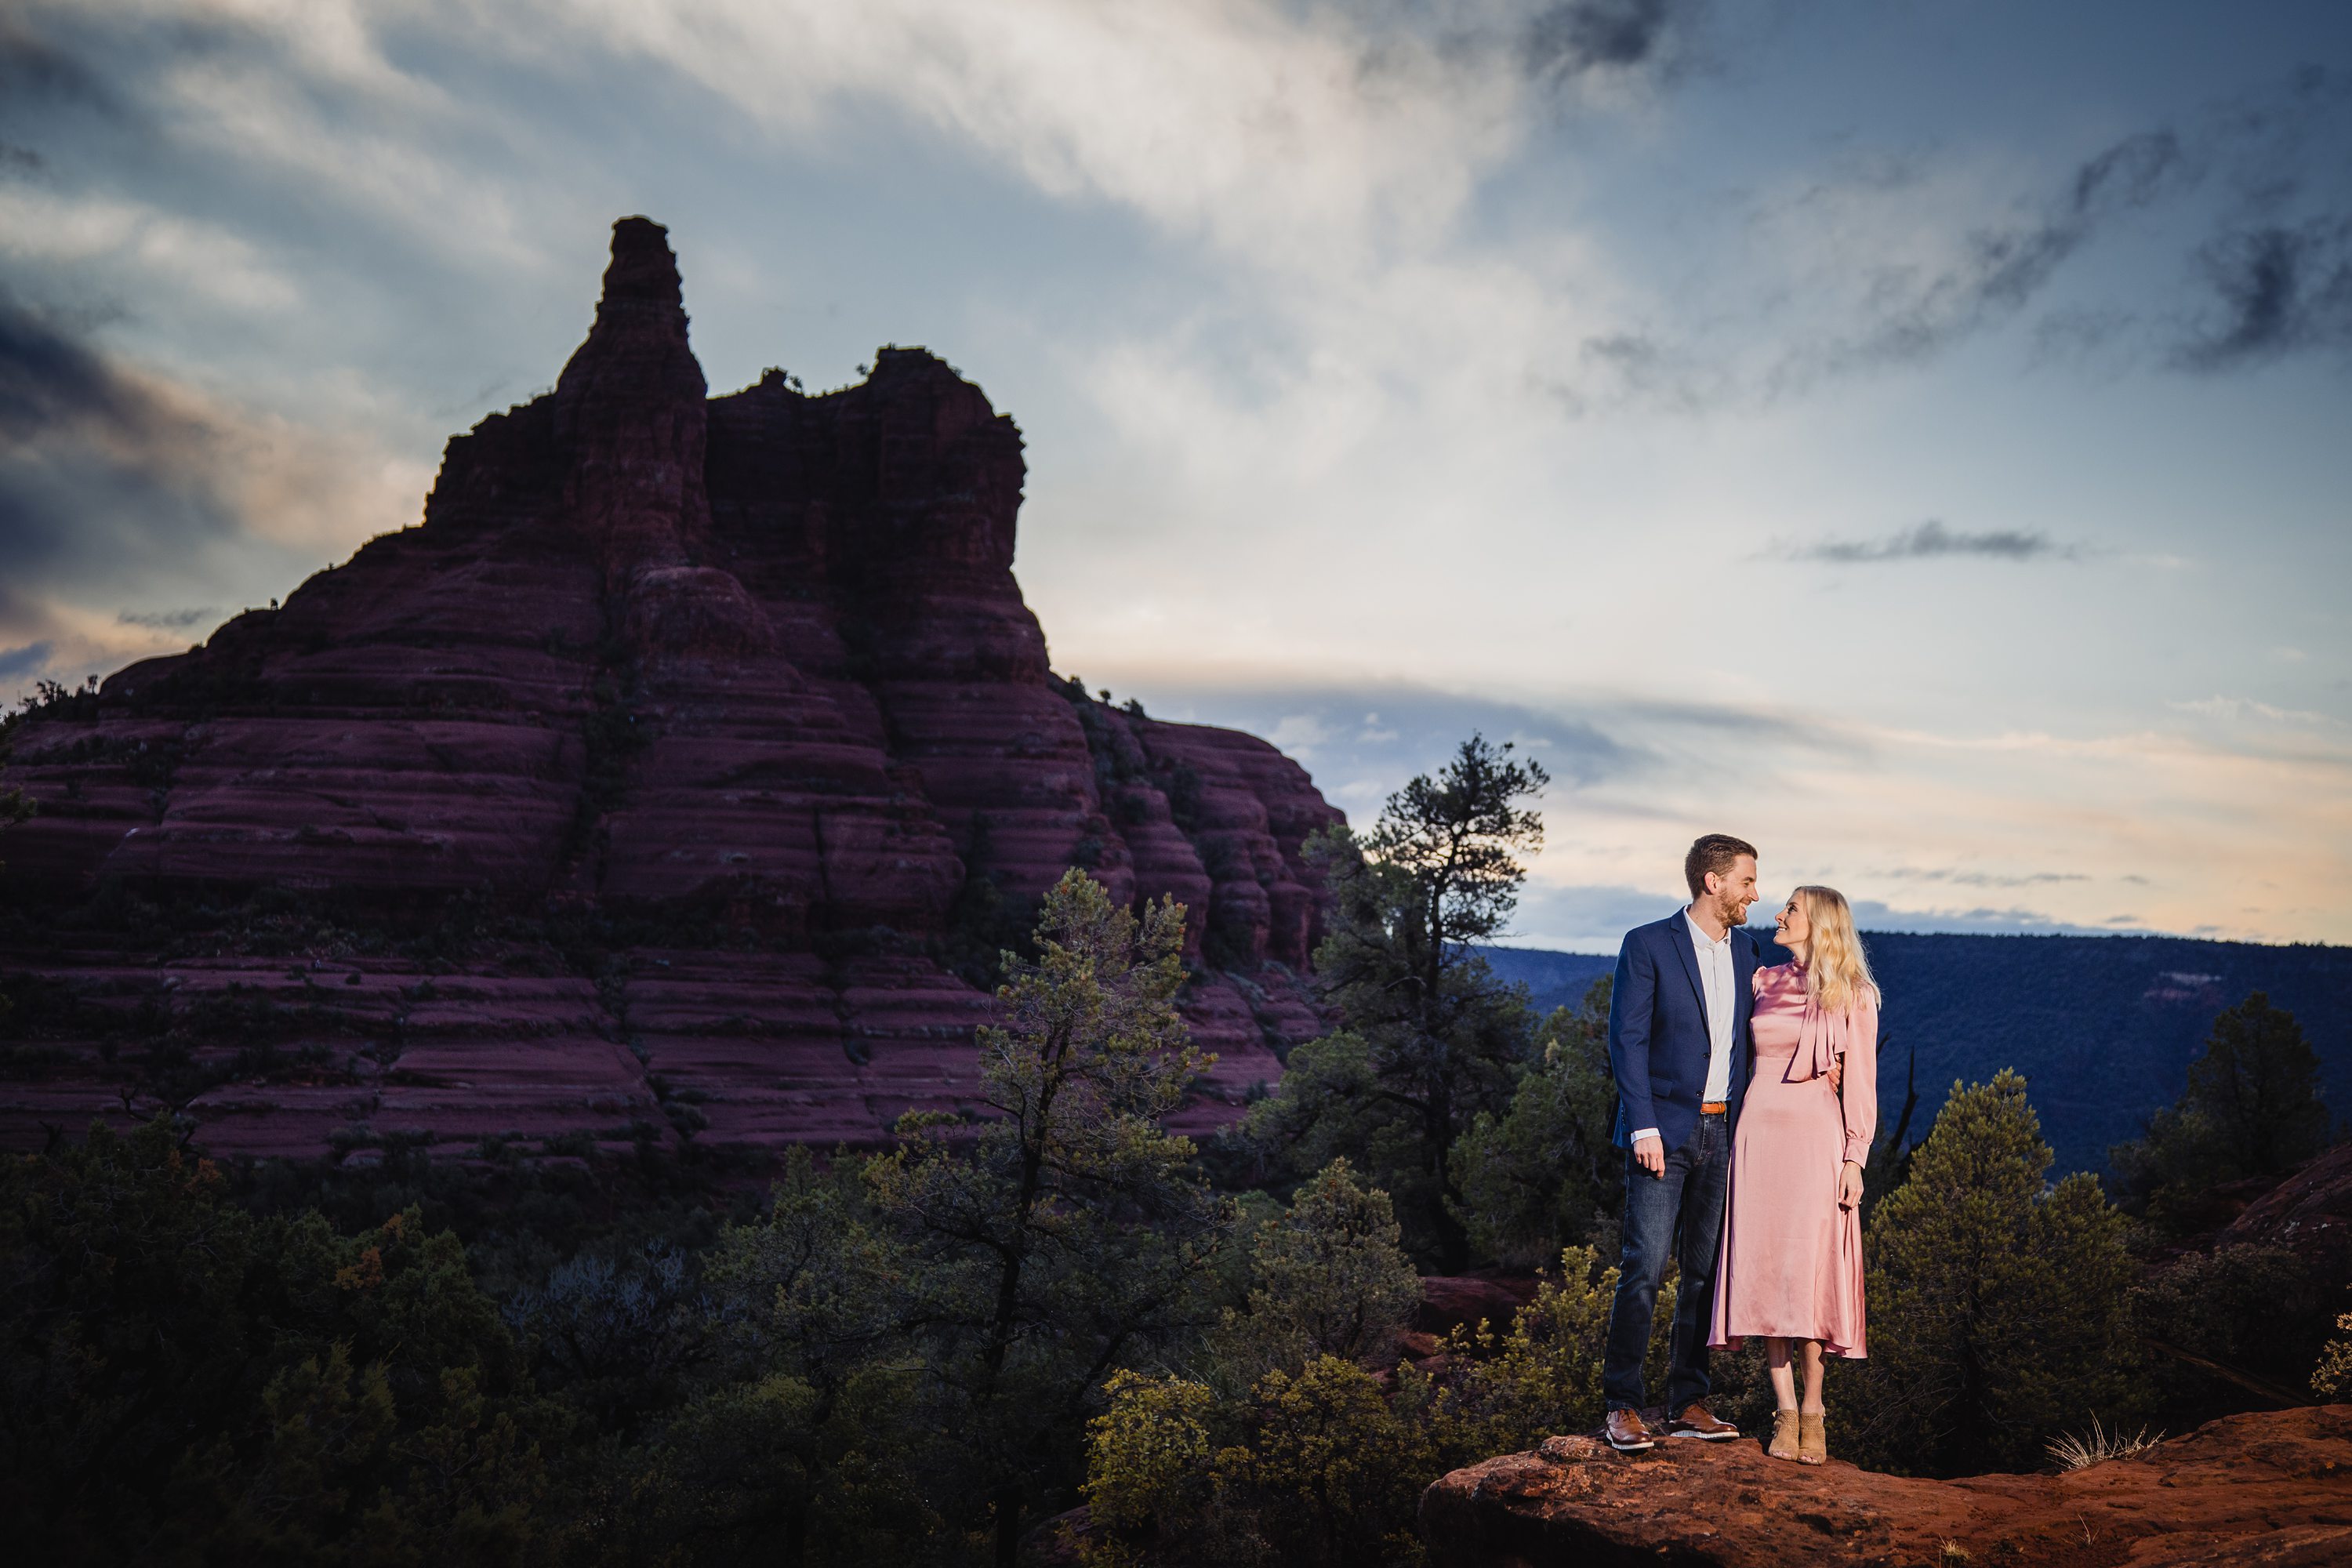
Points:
[[1732, 911]]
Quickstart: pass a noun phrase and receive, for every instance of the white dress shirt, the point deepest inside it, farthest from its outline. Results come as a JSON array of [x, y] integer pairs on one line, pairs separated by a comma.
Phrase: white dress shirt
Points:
[[1715, 982]]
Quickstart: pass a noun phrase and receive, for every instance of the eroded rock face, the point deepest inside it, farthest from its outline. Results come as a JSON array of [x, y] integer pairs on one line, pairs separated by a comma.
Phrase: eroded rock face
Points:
[[2309, 1214], [2273, 1488], [756, 662]]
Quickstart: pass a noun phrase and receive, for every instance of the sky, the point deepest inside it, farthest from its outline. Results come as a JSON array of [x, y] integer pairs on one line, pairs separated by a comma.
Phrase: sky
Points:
[[1915, 439]]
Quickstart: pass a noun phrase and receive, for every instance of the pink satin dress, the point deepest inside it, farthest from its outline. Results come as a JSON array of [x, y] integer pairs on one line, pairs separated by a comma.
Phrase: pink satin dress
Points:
[[1791, 1259]]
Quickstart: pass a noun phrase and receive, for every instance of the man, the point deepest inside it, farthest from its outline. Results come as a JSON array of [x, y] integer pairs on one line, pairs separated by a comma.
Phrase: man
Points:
[[1678, 1046]]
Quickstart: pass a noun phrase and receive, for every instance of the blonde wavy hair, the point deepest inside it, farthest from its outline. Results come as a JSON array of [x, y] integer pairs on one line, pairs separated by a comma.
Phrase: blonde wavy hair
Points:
[[1837, 971]]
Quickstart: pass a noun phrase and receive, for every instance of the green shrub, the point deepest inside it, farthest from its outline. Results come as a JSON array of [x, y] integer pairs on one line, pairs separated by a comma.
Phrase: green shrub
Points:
[[1331, 1280], [1996, 1304], [1148, 1454], [1511, 1385], [1334, 1473]]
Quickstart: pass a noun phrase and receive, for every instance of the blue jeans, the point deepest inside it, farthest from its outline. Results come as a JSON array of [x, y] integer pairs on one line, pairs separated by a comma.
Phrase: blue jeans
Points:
[[1678, 1214]]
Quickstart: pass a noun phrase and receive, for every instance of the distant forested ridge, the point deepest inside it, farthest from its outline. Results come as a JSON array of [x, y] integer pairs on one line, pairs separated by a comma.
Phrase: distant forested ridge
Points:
[[2104, 1028]]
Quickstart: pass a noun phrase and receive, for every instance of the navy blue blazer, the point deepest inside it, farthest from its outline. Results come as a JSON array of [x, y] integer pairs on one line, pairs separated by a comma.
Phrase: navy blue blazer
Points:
[[1658, 1044]]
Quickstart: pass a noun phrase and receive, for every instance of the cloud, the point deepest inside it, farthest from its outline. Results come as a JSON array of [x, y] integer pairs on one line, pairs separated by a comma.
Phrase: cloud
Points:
[[1921, 308], [89, 452], [1376, 737], [1901, 256], [1299, 734], [93, 462], [167, 620], [98, 456], [2279, 291], [1581, 918], [1871, 915], [15, 661], [1267, 131], [118, 483], [36, 68], [1627, 368], [49, 382], [2236, 707], [1931, 539], [1565, 41], [1982, 879]]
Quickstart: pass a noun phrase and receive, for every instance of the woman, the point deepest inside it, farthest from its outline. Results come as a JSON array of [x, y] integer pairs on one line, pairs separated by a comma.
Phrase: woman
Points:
[[1790, 1267]]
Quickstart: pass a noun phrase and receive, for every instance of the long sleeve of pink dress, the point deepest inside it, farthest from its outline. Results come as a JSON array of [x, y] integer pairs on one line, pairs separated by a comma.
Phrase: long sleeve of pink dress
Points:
[[1791, 1265], [1860, 1091]]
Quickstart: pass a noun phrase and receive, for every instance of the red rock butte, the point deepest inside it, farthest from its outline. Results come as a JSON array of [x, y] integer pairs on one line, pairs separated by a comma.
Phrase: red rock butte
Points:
[[742, 687]]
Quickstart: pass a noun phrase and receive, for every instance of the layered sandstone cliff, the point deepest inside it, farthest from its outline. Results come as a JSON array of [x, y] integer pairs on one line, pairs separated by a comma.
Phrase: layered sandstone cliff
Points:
[[740, 691]]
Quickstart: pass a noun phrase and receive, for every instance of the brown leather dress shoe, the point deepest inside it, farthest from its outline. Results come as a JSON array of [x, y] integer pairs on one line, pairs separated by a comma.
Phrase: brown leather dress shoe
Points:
[[1627, 1433], [1695, 1422]]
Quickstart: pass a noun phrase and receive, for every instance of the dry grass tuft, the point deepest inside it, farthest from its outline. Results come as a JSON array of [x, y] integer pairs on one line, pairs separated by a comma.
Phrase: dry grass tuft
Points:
[[2073, 1453]]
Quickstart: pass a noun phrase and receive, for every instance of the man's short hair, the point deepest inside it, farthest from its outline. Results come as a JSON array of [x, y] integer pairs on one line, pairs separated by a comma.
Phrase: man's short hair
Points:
[[1715, 853]]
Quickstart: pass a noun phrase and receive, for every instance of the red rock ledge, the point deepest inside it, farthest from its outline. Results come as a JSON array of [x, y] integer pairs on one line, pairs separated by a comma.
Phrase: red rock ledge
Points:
[[2273, 1488]]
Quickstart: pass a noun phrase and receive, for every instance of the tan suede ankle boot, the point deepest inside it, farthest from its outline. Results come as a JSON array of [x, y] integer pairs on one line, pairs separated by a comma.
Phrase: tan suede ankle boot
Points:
[[1784, 1435], [1812, 1438]]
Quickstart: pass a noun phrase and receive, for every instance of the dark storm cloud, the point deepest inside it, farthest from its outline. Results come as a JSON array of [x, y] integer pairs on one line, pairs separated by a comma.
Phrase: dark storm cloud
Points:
[[98, 476], [2278, 291], [1931, 540], [14, 661], [41, 70], [49, 380], [1567, 41]]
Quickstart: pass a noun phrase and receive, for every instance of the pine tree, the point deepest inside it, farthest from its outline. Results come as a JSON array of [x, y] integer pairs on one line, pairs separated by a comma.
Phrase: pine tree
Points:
[[1432, 1038], [1065, 1234], [1996, 1305], [2252, 1107], [1544, 1175]]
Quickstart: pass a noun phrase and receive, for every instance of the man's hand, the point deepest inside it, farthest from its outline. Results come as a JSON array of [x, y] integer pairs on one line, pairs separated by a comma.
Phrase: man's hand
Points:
[[1650, 1153], [1837, 1074], [1850, 1185]]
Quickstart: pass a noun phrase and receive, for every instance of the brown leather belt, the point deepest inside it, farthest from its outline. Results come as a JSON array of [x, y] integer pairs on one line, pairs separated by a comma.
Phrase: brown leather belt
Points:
[[1715, 1108]]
